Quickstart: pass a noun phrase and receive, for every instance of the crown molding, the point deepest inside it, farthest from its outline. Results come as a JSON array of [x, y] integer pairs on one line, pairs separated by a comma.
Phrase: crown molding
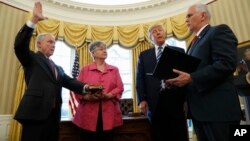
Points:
[[108, 14], [110, 8]]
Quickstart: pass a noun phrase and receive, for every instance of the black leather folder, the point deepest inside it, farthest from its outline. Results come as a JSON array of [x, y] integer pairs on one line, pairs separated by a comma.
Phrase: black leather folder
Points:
[[173, 59]]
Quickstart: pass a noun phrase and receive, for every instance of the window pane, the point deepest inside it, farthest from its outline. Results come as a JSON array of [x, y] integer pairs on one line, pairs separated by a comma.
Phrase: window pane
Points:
[[174, 42], [64, 58], [121, 58]]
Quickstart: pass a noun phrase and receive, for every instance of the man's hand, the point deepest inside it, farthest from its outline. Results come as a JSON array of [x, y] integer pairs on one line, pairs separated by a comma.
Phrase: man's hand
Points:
[[37, 13], [181, 80], [144, 107]]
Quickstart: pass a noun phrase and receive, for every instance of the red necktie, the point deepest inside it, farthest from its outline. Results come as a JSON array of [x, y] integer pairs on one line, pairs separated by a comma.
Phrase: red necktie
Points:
[[191, 44], [194, 40], [52, 67]]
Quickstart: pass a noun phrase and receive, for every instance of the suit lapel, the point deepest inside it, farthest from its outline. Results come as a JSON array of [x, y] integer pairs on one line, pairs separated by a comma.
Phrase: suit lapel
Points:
[[152, 53], [200, 37], [202, 34]]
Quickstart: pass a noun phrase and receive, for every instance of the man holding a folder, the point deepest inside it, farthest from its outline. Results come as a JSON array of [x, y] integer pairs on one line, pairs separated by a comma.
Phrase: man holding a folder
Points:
[[164, 107], [212, 98]]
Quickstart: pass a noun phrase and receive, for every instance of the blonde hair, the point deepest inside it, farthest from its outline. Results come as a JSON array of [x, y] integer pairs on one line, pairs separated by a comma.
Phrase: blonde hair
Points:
[[152, 27]]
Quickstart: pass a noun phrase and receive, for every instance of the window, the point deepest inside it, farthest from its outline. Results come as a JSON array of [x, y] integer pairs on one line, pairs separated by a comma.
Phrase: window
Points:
[[122, 59], [64, 57], [174, 42]]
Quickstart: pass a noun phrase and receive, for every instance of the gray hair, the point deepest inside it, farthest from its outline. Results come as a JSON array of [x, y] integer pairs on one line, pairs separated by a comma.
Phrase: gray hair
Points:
[[152, 27], [203, 8], [93, 45], [41, 36]]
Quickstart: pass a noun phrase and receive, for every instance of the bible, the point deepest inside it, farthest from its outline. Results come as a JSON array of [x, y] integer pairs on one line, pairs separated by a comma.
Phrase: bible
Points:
[[95, 88]]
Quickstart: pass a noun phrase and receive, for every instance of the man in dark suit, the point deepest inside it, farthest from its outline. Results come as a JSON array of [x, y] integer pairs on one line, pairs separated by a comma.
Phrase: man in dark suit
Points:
[[39, 111], [212, 97], [164, 107]]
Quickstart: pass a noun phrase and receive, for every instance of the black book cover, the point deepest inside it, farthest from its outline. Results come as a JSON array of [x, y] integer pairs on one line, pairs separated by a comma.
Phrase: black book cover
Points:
[[173, 59]]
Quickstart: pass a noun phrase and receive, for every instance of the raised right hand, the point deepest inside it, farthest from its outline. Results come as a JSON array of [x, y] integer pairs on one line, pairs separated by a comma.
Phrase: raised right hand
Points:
[[38, 12]]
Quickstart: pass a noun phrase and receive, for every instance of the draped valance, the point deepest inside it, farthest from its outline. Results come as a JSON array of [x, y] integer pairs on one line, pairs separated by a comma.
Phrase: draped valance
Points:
[[128, 36]]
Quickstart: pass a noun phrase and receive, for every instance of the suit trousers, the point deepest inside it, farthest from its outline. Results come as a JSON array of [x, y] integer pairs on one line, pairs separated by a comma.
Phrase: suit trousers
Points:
[[47, 130], [170, 116], [213, 131]]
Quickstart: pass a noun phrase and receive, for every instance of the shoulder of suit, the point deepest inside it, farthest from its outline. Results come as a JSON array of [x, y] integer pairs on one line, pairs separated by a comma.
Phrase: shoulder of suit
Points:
[[220, 29], [148, 50], [221, 26], [59, 67], [26, 28]]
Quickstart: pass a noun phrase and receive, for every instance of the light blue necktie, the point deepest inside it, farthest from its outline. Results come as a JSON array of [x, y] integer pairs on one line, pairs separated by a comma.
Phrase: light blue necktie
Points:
[[159, 53]]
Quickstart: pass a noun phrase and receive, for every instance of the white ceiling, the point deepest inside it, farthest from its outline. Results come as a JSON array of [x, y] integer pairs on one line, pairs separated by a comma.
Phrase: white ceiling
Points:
[[109, 2], [108, 14]]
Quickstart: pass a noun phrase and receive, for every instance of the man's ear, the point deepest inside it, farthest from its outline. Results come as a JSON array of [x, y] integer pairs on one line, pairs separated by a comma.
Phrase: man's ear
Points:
[[38, 44], [150, 37]]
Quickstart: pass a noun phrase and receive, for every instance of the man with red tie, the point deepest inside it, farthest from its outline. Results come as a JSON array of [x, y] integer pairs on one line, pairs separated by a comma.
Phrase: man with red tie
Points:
[[212, 97]]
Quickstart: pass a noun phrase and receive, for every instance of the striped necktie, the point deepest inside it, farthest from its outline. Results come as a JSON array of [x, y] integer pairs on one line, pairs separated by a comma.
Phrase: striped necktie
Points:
[[159, 53]]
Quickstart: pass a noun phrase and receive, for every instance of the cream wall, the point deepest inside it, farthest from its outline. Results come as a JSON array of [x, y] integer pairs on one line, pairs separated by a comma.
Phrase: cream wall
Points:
[[4, 127], [11, 21], [235, 13], [231, 12]]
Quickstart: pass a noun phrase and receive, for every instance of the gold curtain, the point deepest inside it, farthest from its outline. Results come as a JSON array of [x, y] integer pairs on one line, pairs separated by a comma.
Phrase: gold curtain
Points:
[[79, 36], [15, 127], [11, 21], [84, 55]]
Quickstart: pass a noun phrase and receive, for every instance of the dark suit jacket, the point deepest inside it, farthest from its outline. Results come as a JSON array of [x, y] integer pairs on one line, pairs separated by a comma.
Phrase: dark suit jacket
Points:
[[148, 86], [43, 90], [212, 96]]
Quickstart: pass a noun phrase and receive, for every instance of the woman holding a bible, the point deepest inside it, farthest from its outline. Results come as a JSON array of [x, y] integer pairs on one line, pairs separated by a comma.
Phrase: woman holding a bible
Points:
[[98, 112]]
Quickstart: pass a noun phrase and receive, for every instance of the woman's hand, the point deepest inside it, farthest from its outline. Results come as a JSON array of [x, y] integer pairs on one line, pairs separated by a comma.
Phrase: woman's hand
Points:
[[107, 96], [92, 97]]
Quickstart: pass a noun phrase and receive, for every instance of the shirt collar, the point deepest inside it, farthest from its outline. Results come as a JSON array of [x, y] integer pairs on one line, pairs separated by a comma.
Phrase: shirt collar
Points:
[[93, 66], [163, 46], [199, 32]]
